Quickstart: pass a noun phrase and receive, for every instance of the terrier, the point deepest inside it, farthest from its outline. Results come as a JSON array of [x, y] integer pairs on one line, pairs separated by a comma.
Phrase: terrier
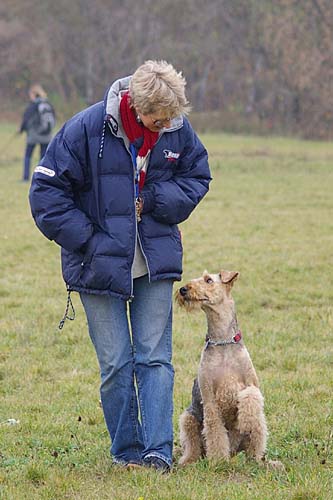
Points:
[[226, 415]]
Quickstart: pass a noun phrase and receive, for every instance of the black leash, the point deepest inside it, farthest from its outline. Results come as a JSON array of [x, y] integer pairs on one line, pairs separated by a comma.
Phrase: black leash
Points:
[[68, 305]]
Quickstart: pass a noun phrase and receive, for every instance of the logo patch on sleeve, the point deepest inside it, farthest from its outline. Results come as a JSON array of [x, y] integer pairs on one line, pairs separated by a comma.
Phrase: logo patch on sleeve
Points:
[[45, 171]]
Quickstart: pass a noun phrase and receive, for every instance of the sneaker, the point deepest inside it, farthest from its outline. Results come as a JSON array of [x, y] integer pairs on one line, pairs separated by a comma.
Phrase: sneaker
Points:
[[157, 463], [133, 465], [127, 465]]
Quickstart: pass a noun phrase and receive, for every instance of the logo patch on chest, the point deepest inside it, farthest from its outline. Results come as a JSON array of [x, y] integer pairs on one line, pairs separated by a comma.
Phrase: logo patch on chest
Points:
[[170, 155]]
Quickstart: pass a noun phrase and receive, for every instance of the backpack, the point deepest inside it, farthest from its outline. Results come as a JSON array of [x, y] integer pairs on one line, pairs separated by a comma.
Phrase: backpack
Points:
[[46, 118]]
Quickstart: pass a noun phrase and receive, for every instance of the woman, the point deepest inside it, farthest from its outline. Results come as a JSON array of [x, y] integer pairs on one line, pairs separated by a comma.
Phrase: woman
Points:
[[111, 189], [38, 122]]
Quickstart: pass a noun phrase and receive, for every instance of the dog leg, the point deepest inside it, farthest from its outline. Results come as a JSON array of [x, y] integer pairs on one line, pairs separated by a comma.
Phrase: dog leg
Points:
[[215, 434], [235, 440], [190, 438], [251, 421]]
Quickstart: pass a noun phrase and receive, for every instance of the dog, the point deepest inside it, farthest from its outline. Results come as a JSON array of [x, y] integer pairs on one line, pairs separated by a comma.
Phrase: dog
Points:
[[226, 414]]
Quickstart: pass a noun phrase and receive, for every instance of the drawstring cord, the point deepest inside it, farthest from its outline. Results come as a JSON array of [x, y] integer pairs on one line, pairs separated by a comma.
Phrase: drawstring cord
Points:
[[100, 155], [69, 300], [68, 305], [101, 145]]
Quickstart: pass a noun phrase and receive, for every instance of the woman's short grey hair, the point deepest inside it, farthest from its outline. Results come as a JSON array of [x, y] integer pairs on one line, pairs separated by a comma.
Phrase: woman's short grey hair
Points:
[[156, 86]]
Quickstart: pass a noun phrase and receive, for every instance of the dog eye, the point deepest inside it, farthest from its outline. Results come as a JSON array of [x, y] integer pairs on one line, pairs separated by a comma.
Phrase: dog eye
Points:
[[209, 280]]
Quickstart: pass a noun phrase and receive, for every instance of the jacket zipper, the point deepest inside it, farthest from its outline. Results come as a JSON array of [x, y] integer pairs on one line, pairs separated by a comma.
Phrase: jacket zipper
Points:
[[137, 235], [144, 255], [137, 229]]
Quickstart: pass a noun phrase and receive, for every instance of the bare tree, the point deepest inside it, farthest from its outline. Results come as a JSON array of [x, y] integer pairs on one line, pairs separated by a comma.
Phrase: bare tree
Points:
[[271, 60]]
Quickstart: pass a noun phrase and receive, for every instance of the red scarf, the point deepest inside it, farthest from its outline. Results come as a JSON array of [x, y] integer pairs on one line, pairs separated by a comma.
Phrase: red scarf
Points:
[[135, 130]]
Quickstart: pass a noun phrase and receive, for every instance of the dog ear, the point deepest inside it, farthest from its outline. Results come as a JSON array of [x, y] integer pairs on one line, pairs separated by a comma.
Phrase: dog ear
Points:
[[228, 276]]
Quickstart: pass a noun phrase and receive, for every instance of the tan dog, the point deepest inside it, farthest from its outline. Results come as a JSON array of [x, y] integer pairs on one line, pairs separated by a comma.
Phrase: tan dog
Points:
[[227, 410]]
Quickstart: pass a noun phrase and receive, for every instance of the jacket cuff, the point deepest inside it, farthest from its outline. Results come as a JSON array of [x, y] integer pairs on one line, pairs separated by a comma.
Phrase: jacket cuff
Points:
[[148, 200]]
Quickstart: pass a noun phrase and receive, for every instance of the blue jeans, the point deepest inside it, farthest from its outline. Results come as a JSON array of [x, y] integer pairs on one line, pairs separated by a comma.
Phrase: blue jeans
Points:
[[133, 343], [29, 149]]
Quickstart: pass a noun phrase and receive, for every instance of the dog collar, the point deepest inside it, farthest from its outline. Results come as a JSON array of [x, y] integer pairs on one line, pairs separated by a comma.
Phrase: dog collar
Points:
[[234, 340]]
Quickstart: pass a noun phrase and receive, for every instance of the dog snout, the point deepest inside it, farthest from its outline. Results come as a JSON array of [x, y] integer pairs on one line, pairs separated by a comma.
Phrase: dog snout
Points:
[[183, 291]]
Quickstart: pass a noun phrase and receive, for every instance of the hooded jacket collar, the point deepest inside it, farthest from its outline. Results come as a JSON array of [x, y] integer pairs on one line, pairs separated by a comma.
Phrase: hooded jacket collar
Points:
[[112, 113]]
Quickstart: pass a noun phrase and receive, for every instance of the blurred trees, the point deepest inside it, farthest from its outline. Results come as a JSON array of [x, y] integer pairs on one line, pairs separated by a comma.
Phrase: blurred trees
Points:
[[268, 62]]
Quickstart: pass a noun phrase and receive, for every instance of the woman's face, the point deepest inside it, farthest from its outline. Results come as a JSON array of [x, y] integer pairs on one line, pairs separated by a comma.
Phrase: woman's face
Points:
[[156, 121]]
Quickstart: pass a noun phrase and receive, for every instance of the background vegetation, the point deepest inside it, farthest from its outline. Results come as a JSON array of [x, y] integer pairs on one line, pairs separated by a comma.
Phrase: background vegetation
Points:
[[269, 216], [262, 66]]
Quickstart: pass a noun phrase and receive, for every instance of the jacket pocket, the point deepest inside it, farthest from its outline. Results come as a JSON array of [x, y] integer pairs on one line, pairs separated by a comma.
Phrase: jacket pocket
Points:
[[96, 274], [99, 244]]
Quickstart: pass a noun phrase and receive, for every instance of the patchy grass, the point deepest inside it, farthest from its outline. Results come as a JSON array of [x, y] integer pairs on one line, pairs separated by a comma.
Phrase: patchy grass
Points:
[[268, 215]]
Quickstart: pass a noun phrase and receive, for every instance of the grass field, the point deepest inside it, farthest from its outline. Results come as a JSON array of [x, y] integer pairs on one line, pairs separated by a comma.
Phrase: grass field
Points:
[[268, 215]]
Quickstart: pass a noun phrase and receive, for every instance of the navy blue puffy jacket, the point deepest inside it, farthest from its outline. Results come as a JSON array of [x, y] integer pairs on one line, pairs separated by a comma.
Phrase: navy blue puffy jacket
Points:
[[82, 196]]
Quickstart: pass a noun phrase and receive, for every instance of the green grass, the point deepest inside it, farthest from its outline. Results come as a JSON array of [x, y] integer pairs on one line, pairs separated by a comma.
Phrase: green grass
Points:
[[268, 215]]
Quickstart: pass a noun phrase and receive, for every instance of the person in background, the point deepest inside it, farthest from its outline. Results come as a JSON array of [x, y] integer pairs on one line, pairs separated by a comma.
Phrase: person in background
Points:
[[38, 122], [111, 190]]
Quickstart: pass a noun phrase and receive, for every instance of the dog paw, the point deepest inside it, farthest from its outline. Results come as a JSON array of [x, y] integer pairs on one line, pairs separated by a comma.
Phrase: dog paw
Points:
[[187, 459]]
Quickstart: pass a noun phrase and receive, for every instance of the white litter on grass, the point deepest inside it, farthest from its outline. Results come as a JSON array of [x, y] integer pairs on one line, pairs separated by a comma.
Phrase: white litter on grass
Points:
[[10, 421]]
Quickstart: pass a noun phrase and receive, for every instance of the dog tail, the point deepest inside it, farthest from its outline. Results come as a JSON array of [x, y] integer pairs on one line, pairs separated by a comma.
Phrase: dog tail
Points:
[[191, 438], [251, 419]]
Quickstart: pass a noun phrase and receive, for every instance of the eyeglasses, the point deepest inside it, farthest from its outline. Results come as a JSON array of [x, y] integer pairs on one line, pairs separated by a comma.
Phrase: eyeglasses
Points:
[[161, 123], [158, 122]]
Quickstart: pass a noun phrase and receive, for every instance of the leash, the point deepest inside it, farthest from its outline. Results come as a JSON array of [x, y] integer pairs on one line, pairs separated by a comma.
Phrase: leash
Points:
[[233, 340], [68, 305]]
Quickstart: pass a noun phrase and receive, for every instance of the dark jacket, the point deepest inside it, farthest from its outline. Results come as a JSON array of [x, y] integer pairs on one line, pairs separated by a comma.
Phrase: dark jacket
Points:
[[30, 123], [82, 196]]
